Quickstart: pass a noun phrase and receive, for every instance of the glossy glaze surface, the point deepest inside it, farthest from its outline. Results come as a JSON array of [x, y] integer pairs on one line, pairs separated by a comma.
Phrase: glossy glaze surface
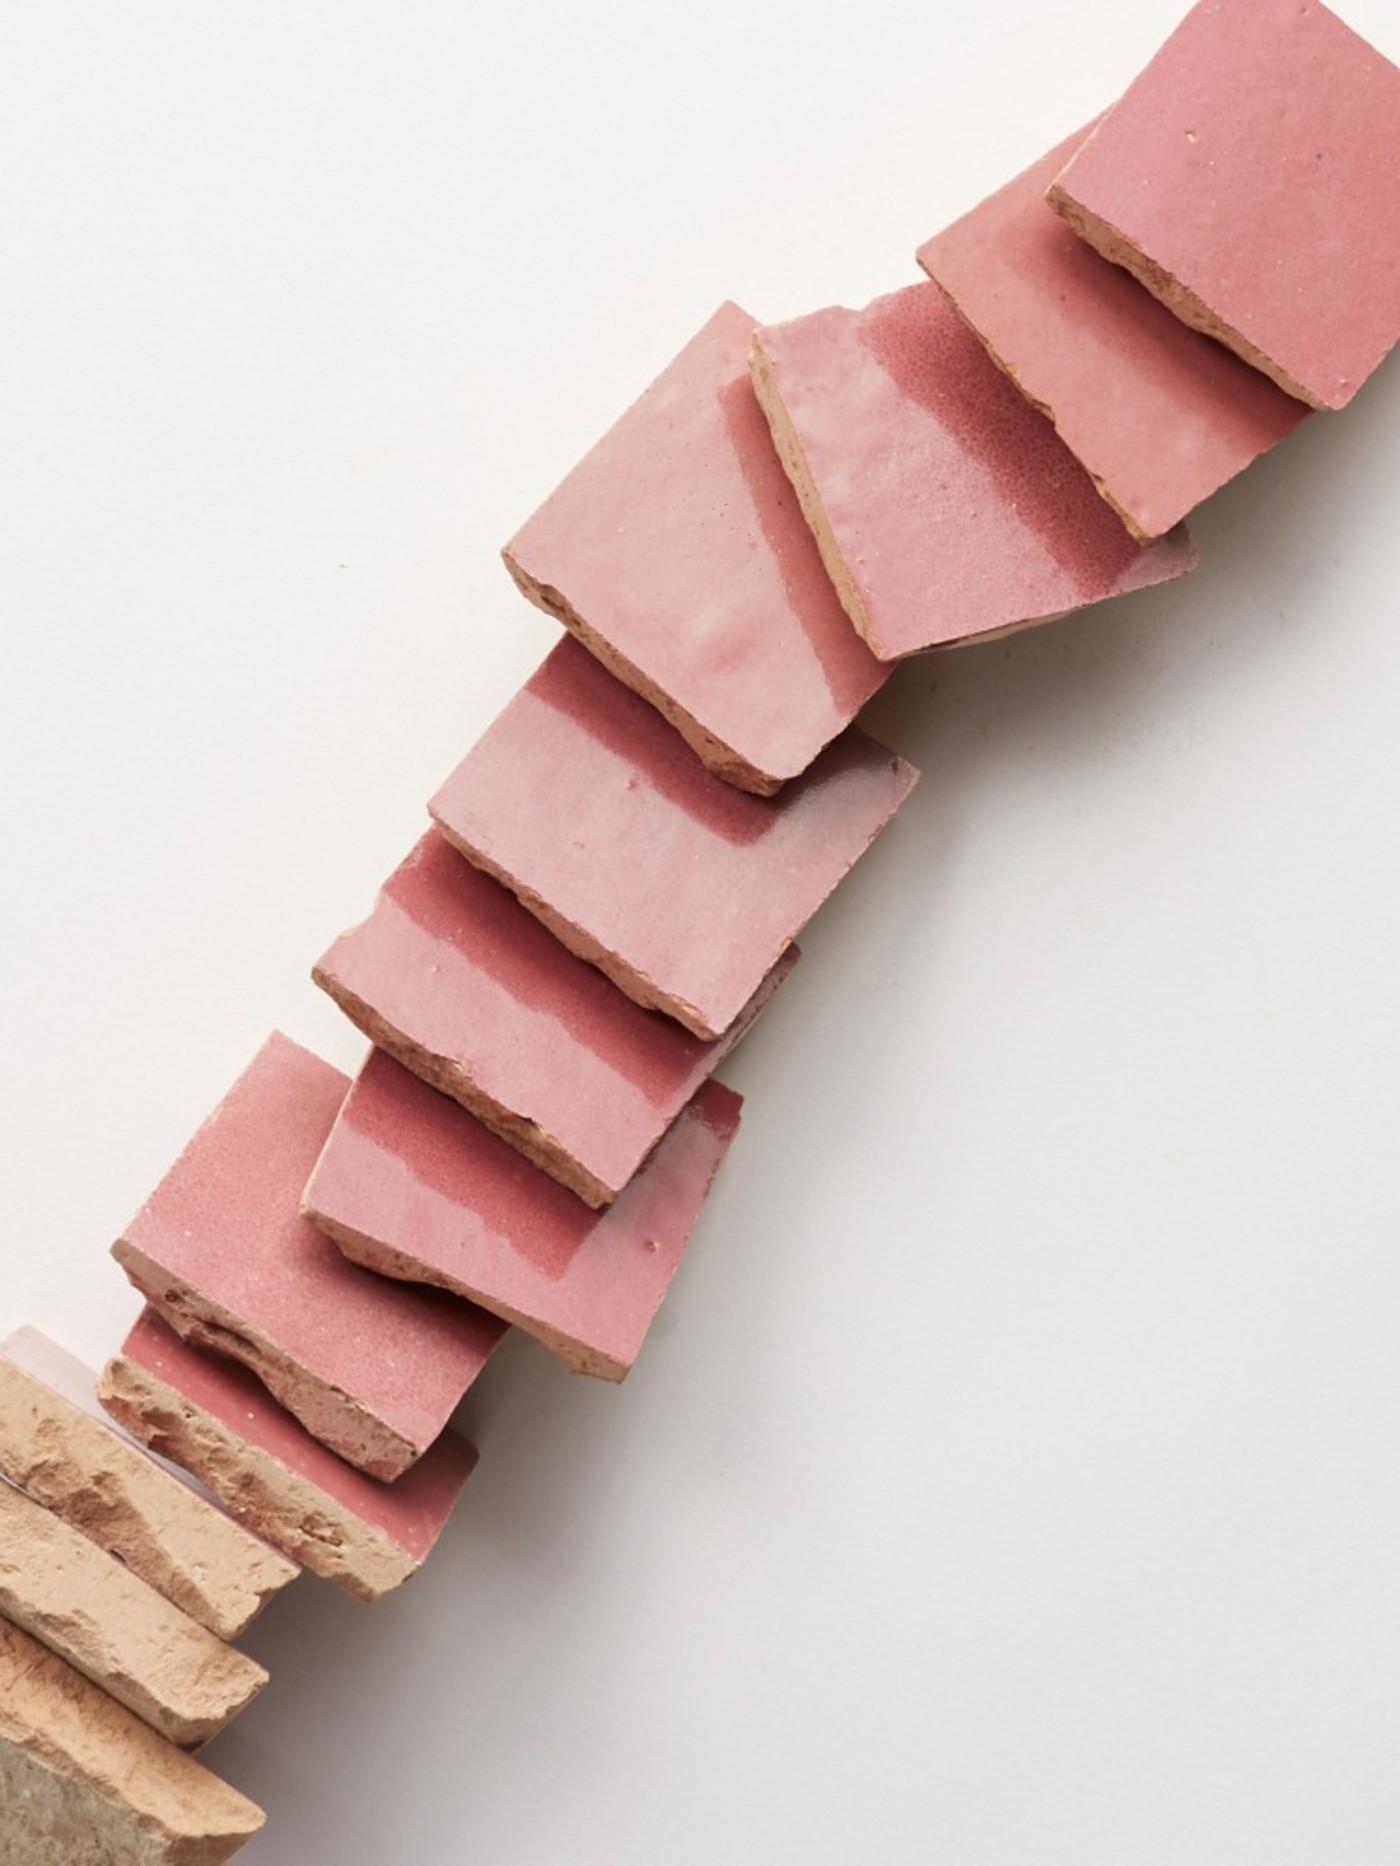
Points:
[[409, 1512], [416, 1185], [1160, 415], [678, 541], [594, 808], [225, 1224], [956, 509], [1256, 160], [453, 963]]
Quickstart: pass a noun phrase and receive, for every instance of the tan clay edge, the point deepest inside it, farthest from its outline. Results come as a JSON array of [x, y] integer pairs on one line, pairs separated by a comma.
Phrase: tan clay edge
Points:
[[108, 1489], [274, 1502], [714, 753], [794, 460], [343, 1424], [1114, 244], [637, 986], [450, 1079]]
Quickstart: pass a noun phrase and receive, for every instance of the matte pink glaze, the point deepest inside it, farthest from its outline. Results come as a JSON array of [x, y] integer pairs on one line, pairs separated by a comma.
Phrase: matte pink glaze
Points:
[[412, 1172], [410, 1512], [678, 540], [586, 799], [453, 962], [226, 1222], [955, 506], [1160, 415], [61, 1372], [1257, 160]]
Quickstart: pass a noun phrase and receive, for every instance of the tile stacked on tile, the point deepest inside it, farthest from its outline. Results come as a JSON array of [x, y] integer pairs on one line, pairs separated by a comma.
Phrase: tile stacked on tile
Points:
[[371, 1368]]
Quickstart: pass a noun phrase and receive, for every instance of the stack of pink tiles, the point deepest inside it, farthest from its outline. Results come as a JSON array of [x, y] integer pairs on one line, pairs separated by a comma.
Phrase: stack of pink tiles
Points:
[[607, 895]]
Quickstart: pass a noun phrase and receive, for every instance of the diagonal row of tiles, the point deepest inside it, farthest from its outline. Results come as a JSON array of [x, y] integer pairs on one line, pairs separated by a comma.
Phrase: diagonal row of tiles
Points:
[[609, 894]]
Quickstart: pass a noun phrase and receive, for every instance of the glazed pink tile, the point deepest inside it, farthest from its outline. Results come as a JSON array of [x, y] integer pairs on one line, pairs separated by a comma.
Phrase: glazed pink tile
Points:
[[1159, 415], [216, 1419], [453, 977], [412, 1185], [1250, 177], [685, 891], [372, 1368], [945, 505], [676, 552]]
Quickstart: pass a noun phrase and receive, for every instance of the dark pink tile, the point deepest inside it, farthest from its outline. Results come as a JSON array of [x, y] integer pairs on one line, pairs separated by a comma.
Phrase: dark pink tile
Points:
[[217, 1420], [1159, 415], [1250, 177], [413, 1186], [683, 890], [676, 552], [947, 507], [453, 977], [372, 1368]]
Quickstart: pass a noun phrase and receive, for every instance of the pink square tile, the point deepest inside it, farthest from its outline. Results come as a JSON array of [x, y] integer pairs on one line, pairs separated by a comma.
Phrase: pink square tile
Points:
[[1158, 415], [414, 1186], [945, 505], [212, 1416], [676, 552], [1250, 177], [372, 1368], [685, 891], [453, 977]]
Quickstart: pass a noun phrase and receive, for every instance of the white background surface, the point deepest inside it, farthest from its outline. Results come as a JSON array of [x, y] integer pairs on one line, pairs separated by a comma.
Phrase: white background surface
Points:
[[1012, 1477]]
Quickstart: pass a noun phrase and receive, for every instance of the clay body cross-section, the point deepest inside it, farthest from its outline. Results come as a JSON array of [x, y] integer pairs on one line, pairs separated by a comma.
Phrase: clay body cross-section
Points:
[[414, 1186], [676, 552], [683, 890], [1159, 415], [218, 1420], [947, 508], [371, 1367], [58, 1448], [1250, 178], [456, 980]]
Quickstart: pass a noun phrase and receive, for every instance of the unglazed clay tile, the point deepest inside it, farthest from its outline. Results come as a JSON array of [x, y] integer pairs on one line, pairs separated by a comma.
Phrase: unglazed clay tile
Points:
[[83, 1604], [945, 506], [1158, 414], [414, 1186], [453, 977], [1250, 177], [58, 1448], [212, 1416], [83, 1782], [372, 1368], [677, 553], [684, 891]]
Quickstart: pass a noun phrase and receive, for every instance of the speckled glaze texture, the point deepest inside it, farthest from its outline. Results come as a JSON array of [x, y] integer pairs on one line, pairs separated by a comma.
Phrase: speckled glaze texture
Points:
[[955, 508], [414, 1186], [685, 890], [1159, 415], [409, 1513], [222, 1249], [678, 545], [453, 975], [1255, 164]]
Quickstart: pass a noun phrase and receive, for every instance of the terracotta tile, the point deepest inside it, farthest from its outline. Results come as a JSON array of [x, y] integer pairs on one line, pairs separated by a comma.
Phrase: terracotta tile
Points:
[[414, 1186], [85, 1783], [453, 977], [83, 1604], [685, 892], [57, 1447], [372, 1368], [1250, 177], [676, 552], [218, 1420], [946, 506], [1159, 415]]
